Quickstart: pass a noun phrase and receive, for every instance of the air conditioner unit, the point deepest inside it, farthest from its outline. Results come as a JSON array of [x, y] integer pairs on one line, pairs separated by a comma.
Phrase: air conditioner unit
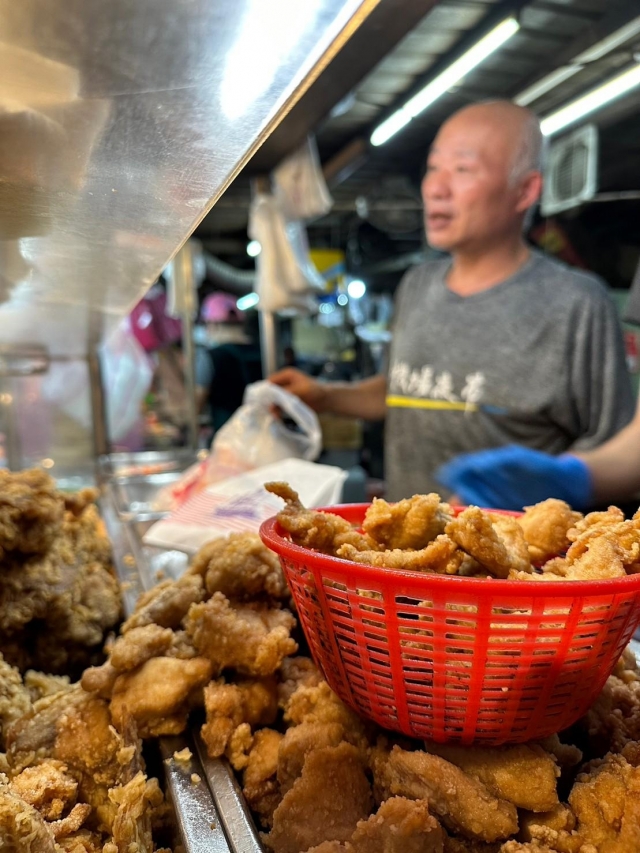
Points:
[[571, 173]]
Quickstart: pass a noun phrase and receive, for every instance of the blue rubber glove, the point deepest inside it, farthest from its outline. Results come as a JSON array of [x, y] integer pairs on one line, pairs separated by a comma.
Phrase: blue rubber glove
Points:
[[512, 477]]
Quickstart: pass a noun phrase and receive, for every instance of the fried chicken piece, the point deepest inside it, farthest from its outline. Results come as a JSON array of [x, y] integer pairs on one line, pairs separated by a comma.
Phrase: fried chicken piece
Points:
[[48, 788], [132, 823], [85, 606], [75, 729], [411, 523], [601, 557], [438, 556], [252, 639], [545, 526], [623, 536], [614, 718], [525, 847], [160, 694], [497, 542], [167, 603], [463, 804], [325, 803], [259, 783], [595, 521], [606, 803], [319, 704], [135, 647], [294, 673], [39, 684], [15, 700], [524, 774], [626, 669], [322, 531], [239, 746], [31, 511], [242, 568], [399, 826], [566, 754], [82, 841], [546, 824], [100, 680], [22, 828], [296, 745], [228, 706], [72, 822], [29, 585]]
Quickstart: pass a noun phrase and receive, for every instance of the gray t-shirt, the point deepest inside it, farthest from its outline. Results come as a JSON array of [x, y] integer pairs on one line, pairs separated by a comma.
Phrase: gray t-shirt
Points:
[[537, 360]]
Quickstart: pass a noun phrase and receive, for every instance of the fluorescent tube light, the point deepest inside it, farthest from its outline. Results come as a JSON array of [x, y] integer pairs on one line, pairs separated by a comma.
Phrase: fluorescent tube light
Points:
[[445, 80], [591, 54], [592, 101], [248, 301], [610, 42], [546, 84]]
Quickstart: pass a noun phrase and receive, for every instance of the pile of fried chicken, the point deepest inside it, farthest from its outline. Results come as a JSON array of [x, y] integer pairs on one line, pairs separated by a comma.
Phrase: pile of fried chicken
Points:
[[550, 541], [223, 639], [58, 593]]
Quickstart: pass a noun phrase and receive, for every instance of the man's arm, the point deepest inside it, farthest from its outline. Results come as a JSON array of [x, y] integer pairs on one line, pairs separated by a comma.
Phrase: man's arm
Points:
[[601, 385], [615, 465], [365, 399]]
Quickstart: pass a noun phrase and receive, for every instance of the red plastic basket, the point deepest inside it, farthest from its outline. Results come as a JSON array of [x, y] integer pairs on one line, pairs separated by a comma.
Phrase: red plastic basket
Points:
[[454, 659]]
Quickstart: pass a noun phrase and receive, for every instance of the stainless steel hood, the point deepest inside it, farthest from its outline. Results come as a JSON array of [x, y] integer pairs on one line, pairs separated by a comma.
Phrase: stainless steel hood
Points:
[[121, 123]]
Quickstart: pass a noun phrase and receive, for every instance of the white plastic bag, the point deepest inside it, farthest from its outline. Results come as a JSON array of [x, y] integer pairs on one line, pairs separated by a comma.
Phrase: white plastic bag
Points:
[[254, 436], [300, 187], [285, 274]]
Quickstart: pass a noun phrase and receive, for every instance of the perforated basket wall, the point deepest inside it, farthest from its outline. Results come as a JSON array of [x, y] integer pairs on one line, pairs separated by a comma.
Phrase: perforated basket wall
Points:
[[456, 659]]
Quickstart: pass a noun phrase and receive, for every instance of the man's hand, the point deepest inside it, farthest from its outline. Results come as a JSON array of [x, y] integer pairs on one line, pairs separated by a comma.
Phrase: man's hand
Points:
[[309, 390]]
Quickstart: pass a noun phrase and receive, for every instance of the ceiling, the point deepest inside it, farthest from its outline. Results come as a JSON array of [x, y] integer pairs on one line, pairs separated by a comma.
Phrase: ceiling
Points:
[[403, 57]]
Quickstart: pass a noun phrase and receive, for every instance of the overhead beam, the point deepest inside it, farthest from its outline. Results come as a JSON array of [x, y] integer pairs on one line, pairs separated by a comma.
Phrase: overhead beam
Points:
[[385, 26]]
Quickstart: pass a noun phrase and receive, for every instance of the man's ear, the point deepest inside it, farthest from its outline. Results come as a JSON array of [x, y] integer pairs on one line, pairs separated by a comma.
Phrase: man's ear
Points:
[[530, 190]]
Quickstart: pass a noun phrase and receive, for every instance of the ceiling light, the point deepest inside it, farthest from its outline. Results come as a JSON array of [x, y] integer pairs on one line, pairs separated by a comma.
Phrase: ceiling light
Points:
[[253, 248], [592, 101], [356, 288], [343, 299], [546, 84], [248, 301], [445, 80], [591, 54]]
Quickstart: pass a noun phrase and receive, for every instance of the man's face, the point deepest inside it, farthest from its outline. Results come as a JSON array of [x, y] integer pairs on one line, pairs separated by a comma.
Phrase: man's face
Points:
[[469, 202]]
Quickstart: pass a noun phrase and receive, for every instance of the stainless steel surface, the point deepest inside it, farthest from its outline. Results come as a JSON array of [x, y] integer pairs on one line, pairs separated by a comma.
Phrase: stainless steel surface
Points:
[[121, 124], [154, 564], [230, 803], [143, 498], [145, 462], [185, 290], [199, 821], [127, 568], [23, 360], [98, 406]]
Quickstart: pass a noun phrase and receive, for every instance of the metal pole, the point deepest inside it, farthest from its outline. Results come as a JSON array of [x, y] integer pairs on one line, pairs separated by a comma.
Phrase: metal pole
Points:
[[268, 346], [98, 405], [184, 284]]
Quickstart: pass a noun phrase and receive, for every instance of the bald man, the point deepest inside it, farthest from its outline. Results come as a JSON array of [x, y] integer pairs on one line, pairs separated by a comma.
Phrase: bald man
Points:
[[496, 344]]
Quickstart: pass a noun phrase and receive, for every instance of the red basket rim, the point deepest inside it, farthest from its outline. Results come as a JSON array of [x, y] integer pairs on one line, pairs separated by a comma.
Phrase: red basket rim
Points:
[[274, 538]]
